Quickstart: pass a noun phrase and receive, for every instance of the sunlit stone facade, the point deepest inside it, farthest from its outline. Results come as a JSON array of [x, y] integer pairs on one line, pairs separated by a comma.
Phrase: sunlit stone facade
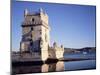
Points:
[[35, 33], [36, 38]]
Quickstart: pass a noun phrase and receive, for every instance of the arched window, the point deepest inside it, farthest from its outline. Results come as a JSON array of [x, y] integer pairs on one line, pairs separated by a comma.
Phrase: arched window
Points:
[[32, 19], [31, 28]]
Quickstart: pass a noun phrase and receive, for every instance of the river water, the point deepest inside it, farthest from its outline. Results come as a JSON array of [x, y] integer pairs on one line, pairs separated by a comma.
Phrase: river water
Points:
[[80, 65], [60, 65]]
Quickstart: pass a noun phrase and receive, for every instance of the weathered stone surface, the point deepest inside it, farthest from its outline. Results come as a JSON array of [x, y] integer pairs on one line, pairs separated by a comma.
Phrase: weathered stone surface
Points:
[[36, 37]]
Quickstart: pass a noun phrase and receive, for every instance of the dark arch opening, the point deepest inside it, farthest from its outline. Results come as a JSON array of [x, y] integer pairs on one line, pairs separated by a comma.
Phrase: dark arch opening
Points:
[[33, 19]]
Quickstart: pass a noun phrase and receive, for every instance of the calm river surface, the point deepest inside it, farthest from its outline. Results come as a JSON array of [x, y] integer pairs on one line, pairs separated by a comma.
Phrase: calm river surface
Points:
[[60, 65]]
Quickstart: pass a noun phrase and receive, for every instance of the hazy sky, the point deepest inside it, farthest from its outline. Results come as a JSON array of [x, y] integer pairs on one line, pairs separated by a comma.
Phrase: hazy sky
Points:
[[71, 25]]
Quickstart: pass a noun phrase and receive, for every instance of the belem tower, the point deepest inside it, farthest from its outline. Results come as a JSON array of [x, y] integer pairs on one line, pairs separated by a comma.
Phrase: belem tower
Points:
[[35, 40]]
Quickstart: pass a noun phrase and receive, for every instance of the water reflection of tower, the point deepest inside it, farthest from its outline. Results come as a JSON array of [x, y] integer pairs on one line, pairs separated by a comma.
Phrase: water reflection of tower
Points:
[[44, 68], [59, 66], [52, 67]]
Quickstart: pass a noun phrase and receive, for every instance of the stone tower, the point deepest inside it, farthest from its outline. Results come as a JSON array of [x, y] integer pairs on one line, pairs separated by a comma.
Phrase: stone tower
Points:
[[35, 33]]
